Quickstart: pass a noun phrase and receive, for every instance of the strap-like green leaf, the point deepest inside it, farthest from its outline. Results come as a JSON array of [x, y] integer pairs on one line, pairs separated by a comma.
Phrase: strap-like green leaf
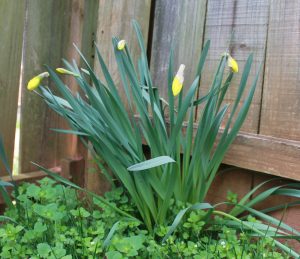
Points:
[[74, 132], [151, 163], [6, 184], [110, 234], [3, 157], [5, 218]]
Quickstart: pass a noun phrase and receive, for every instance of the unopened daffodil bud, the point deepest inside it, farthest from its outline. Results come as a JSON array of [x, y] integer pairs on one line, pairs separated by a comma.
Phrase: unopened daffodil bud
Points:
[[178, 80], [65, 71], [121, 44], [36, 81], [231, 62]]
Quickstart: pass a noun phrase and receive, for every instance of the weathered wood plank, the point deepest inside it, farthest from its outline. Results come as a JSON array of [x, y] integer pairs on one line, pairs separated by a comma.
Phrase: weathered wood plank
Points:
[[31, 177], [274, 156], [247, 20], [114, 19], [11, 33], [281, 94], [51, 29], [266, 154], [45, 43], [183, 23], [82, 31]]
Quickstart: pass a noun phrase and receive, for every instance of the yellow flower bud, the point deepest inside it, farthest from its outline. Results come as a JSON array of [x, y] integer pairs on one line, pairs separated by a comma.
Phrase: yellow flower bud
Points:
[[66, 72], [121, 44], [178, 81], [36, 81], [231, 62]]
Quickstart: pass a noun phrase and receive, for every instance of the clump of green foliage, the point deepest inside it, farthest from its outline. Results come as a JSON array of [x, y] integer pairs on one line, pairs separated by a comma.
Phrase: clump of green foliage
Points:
[[118, 126], [182, 165], [51, 222]]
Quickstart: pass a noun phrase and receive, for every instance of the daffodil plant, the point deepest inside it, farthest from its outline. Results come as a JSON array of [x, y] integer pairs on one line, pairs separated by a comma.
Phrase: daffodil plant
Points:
[[184, 155], [118, 134]]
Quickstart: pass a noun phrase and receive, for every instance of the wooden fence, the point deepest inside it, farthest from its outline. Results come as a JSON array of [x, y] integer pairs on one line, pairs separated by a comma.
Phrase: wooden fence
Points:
[[34, 33]]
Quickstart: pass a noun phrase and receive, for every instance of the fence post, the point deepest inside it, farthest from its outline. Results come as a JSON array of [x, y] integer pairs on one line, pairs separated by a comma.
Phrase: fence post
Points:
[[11, 31]]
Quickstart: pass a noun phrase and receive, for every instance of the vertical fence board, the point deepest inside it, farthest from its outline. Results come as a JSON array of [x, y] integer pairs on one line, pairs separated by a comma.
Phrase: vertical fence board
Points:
[[46, 36], [82, 30], [247, 20], [281, 96], [11, 33], [183, 23], [51, 28], [89, 30], [114, 19], [67, 144]]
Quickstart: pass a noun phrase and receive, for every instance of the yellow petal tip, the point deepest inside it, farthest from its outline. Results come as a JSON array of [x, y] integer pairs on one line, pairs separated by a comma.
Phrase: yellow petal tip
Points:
[[34, 83], [121, 44], [178, 80], [233, 64], [176, 86]]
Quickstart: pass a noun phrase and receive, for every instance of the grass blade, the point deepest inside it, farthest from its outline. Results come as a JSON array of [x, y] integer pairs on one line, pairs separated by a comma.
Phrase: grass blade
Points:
[[110, 234]]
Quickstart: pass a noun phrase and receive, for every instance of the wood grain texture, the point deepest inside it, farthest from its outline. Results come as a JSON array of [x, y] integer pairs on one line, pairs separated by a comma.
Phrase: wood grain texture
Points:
[[281, 96], [266, 154], [273, 156], [247, 22], [11, 34], [183, 23], [51, 29], [45, 43], [82, 33], [67, 144], [114, 20]]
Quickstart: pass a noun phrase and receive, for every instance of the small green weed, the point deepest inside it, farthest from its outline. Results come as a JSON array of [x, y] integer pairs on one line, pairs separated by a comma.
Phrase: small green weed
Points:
[[54, 223]]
